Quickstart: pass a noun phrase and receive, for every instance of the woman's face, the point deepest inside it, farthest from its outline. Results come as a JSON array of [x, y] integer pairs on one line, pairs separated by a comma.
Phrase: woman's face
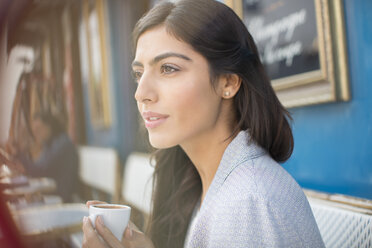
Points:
[[174, 96], [41, 131]]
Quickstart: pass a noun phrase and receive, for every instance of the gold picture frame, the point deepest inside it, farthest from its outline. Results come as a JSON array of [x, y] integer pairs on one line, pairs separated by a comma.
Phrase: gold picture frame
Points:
[[329, 81], [97, 56]]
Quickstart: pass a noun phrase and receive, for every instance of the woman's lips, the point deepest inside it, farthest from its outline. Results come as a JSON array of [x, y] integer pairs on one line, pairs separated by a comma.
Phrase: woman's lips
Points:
[[153, 119], [154, 123]]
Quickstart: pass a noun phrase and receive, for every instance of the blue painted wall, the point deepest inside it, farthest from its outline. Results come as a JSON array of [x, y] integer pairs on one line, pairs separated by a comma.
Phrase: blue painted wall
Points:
[[109, 136], [121, 18], [333, 142]]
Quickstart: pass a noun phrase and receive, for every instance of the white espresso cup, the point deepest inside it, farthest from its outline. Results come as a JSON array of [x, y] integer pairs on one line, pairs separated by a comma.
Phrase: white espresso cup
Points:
[[114, 216]]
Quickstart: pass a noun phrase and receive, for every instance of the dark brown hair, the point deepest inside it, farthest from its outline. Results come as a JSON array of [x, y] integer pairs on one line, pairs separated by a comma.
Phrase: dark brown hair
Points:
[[218, 34]]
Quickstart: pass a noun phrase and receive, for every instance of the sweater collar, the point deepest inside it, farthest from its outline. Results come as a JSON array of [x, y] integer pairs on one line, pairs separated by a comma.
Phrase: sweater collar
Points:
[[241, 148]]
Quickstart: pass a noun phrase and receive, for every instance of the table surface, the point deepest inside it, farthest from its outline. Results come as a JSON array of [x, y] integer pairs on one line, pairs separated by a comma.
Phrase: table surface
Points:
[[13, 181], [50, 221], [35, 185]]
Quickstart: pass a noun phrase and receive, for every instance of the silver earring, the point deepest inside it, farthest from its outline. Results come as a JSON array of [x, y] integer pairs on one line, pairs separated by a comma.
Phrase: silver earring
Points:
[[226, 93]]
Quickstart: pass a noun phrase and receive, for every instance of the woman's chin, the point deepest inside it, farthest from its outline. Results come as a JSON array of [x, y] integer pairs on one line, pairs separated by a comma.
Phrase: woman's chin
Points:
[[160, 142]]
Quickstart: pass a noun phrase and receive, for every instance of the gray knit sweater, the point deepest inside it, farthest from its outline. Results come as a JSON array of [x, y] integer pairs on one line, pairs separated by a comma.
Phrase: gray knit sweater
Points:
[[252, 202]]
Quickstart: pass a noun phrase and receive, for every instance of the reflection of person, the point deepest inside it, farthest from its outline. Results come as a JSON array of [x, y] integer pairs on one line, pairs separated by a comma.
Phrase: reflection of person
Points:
[[209, 108], [58, 158]]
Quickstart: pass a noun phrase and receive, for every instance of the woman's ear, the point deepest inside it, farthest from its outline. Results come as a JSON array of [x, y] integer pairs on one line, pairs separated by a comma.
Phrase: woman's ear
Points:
[[229, 85]]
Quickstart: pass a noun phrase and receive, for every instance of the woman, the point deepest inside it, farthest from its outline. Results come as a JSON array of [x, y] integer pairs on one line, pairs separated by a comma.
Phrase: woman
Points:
[[209, 108]]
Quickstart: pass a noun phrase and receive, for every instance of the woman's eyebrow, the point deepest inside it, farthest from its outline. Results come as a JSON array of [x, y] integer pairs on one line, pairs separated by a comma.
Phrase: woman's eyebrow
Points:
[[136, 63], [161, 57], [167, 55]]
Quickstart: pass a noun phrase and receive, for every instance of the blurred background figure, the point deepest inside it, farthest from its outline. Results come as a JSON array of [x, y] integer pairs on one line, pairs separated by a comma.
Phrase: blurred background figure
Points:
[[57, 159]]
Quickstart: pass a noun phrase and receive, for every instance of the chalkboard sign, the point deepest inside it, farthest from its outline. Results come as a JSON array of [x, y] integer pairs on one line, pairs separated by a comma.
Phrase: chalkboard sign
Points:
[[285, 33], [302, 46]]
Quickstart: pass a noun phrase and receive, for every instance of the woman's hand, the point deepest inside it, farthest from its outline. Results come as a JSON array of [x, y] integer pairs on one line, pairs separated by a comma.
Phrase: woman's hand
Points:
[[132, 237], [91, 238]]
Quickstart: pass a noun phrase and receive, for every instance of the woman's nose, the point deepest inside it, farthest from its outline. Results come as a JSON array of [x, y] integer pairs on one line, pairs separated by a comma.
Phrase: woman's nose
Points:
[[146, 90]]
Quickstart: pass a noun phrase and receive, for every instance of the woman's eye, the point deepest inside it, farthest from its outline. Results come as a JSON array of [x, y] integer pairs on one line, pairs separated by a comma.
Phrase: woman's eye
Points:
[[167, 69], [137, 75]]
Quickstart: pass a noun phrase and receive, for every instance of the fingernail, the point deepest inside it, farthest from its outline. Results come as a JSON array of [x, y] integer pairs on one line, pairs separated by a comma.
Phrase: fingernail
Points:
[[130, 232], [84, 219], [100, 220]]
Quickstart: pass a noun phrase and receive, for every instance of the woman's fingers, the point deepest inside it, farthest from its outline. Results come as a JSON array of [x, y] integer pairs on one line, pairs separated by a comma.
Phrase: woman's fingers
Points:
[[91, 239], [92, 202], [133, 226], [106, 234], [135, 239]]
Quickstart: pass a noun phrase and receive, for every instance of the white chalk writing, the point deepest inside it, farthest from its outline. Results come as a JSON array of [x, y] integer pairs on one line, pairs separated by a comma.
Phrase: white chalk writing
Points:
[[283, 53], [272, 31]]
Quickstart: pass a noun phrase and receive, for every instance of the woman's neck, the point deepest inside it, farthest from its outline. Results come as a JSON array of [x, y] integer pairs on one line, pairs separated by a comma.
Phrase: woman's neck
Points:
[[206, 152]]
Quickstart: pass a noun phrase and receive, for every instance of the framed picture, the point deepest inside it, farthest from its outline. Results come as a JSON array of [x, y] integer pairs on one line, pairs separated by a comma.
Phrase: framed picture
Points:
[[99, 94], [302, 46]]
